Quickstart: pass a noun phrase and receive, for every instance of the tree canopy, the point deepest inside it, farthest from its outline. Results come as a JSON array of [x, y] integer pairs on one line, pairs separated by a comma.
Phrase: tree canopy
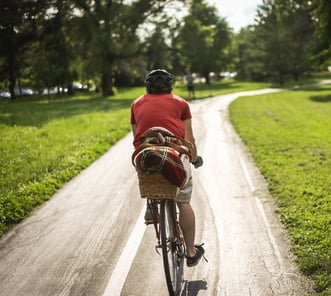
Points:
[[281, 44], [51, 43], [203, 39]]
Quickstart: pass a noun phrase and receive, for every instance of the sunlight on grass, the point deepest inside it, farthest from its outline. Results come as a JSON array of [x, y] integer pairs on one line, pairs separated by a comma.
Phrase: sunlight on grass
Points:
[[46, 141]]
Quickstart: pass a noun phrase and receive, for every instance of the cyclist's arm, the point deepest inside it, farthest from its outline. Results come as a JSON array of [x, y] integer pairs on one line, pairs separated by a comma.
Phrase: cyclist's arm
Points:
[[190, 138]]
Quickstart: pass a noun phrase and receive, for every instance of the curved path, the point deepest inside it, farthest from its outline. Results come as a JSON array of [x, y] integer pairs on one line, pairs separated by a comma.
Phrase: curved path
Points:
[[90, 238]]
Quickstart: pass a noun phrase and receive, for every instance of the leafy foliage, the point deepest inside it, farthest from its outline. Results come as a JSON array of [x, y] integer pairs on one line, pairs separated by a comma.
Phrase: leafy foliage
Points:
[[321, 11], [18, 28], [278, 47], [52, 43], [202, 40]]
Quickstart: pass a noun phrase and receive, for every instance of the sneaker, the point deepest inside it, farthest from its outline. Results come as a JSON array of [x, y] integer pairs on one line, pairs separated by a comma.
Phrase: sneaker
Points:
[[199, 252]]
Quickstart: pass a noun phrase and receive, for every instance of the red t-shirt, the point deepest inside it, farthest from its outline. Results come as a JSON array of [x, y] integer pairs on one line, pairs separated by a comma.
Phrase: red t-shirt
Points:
[[163, 110]]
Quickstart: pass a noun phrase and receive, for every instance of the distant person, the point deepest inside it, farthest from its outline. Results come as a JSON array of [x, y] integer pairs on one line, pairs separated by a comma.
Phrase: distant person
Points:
[[190, 86]]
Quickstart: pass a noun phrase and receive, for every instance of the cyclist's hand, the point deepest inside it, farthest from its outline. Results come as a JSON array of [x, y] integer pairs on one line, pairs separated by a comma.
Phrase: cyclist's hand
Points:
[[198, 162]]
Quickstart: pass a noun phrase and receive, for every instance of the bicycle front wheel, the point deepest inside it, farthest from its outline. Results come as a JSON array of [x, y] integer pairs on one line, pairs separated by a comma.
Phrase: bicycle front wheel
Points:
[[172, 247]]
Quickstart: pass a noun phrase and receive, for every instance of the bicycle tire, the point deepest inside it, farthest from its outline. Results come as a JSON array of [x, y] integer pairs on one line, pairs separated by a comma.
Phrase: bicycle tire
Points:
[[172, 250]]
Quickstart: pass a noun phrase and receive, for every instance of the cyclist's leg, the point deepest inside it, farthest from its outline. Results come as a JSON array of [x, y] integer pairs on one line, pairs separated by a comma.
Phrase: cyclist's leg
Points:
[[187, 224], [187, 217]]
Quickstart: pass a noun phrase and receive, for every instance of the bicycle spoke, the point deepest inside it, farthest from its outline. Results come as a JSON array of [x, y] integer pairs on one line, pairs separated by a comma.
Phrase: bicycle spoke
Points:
[[171, 247]]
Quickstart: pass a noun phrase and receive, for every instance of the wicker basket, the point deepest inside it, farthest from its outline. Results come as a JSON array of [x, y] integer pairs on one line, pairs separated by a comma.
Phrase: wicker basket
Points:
[[154, 185]]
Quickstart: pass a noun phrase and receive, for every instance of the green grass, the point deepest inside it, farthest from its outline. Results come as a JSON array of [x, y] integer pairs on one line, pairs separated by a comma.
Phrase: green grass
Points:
[[45, 141], [289, 136]]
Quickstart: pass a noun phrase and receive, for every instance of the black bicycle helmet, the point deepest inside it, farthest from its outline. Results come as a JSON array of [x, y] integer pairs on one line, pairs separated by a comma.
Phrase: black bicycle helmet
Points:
[[159, 81]]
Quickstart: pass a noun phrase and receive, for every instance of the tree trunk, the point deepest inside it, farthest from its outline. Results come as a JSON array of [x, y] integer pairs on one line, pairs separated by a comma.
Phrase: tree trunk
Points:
[[207, 77], [107, 84], [12, 83]]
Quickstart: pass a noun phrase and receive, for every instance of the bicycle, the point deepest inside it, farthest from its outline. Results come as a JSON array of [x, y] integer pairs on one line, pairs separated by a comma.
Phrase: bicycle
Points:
[[160, 194]]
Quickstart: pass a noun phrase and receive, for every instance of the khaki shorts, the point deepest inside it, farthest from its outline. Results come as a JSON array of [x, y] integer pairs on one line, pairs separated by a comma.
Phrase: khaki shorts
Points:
[[185, 193]]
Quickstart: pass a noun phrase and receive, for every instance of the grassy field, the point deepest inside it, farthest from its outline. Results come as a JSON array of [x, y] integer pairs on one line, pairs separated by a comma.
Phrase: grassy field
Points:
[[289, 136], [46, 141]]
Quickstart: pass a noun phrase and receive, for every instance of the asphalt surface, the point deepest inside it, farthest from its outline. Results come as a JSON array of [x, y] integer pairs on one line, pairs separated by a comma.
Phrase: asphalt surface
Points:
[[90, 238]]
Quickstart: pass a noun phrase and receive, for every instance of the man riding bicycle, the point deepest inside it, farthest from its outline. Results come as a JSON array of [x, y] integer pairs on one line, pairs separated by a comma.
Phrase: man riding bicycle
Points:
[[160, 108]]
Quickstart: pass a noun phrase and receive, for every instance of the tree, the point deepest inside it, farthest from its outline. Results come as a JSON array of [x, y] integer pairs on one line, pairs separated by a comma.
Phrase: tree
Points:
[[299, 27], [18, 29], [110, 33], [321, 15], [52, 55], [249, 63], [63, 38], [203, 40], [282, 37], [157, 50]]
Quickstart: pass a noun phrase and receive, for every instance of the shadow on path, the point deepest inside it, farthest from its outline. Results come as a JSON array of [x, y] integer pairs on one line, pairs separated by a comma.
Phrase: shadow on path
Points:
[[192, 288]]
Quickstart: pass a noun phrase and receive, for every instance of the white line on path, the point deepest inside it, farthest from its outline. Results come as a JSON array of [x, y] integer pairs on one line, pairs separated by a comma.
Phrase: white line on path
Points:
[[262, 213], [121, 270]]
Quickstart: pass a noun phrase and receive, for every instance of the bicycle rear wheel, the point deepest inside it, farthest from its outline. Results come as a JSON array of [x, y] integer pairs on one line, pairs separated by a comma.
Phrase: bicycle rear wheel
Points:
[[173, 249]]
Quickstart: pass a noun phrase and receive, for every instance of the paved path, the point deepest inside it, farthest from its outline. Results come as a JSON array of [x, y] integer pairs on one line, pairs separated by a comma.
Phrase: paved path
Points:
[[90, 239]]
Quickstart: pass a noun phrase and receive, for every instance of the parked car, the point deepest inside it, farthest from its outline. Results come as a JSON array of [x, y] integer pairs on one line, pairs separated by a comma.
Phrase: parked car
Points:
[[53, 90], [25, 92], [4, 94]]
